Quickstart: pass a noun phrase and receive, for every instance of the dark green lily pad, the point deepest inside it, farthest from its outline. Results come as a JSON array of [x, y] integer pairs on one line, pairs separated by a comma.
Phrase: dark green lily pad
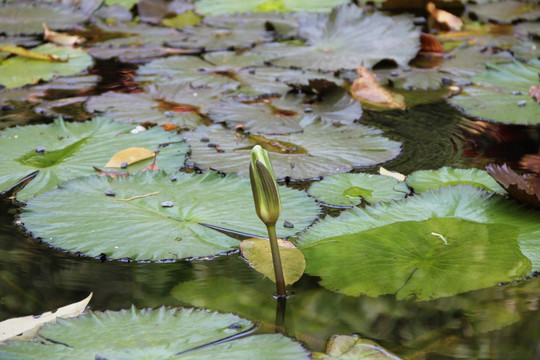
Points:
[[185, 333], [352, 189], [501, 93], [460, 202], [216, 7], [425, 180], [319, 150], [27, 18], [505, 11], [186, 70], [289, 114], [152, 217], [169, 104], [419, 259], [18, 71], [72, 149], [339, 40]]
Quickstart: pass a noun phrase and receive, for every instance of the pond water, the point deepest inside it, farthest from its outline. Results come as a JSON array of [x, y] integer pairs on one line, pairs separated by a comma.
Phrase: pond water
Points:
[[499, 322]]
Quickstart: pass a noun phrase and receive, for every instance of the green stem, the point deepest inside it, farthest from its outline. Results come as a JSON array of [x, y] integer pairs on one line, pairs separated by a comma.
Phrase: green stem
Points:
[[278, 270]]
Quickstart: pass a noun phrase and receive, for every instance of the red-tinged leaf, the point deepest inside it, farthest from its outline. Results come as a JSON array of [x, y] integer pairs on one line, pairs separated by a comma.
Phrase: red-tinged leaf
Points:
[[525, 188]]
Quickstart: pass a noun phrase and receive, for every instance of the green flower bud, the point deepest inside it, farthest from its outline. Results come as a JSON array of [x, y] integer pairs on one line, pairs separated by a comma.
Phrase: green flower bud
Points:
[[264, 186]]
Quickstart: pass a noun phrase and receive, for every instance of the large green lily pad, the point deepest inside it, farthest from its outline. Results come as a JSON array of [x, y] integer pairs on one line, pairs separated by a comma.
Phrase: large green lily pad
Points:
[[164, 333], [18, 71], [72, 149], [506, 11], [21, 17], [216, 7], [419, 259], [425, 180], [154, 217], [347, 38], [178, 105], [464, 202], [299, 155], [501, 93], [353, 189]]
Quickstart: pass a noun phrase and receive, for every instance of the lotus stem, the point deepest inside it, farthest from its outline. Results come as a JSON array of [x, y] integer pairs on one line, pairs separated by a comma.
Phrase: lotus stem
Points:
[[276, 259]]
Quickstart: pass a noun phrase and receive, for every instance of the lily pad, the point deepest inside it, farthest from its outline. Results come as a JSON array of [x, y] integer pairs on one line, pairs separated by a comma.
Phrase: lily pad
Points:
[[463, 202], [27, 18], [72, 149], [352, 189], [347, 38], [152, 217], [133, 54], [425, 180], [169, 104], [120, 34], [505, 11], [501, 93], [353, 347], [154, 11], [188, 333], [18, 71], [298, 155], [216, 7], [282, 25], [419, 259]]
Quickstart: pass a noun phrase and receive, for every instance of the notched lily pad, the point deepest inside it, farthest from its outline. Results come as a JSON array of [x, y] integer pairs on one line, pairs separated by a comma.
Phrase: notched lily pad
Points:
[[424, 260], [425, 180], [501, 93], [298, 155], [64, 151], [353, 189], [136, 336], [139, 223], [18, 71], [525, 188], [339, 40]]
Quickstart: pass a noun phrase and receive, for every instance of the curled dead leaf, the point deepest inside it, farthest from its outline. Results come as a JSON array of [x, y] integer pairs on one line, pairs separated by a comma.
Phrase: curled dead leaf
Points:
[[534, 92], [129, 156], [447, 20], [524, 188], [430, 45], [365, 88], [59, 38]]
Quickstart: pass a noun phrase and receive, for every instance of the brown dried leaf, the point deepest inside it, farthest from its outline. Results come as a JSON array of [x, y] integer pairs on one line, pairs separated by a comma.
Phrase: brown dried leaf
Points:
[[524, 188], [444, 18], [365, 88], [130, 155], [430, 44], [534, 92], [17, 50], [531, 162], [113, 174], [59, 38]]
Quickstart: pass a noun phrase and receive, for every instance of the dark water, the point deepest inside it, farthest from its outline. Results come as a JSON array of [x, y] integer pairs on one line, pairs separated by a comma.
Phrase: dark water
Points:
[[494, 323]]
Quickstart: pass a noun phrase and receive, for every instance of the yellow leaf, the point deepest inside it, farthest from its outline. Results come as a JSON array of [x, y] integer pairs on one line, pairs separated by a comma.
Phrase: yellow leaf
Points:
[[257, 251], [26, 328], [365, 88], [130, 155], [59, 38], [17, 50]]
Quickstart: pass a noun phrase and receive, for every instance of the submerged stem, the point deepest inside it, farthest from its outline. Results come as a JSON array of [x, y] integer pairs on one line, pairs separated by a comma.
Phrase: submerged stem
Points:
[[276, 259]]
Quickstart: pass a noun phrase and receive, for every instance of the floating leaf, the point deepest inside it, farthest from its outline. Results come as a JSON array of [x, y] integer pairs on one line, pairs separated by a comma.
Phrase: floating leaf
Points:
[[353, 347], [129, 156], [501, 93], [505, 11], [136, 224], [299, 155], [353, 189], [257, 252], [121, 34], [128, 4], [20, 51], [525, 188], [163, 333], [340, 40], [419, 259], [72, 149], [21, 17], [366, 88], [425, 180], [18, 71], [153, 11], [459, 202], [216, 7], [60, 38], [26, 328], [444, 18]]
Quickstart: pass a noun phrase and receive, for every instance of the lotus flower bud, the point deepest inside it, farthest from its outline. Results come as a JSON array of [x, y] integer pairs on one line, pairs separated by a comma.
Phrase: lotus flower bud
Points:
[[264, 186]]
